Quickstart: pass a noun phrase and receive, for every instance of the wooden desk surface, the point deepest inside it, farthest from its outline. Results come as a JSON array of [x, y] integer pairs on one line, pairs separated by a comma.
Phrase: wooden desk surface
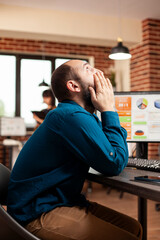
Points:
[[125, 182]]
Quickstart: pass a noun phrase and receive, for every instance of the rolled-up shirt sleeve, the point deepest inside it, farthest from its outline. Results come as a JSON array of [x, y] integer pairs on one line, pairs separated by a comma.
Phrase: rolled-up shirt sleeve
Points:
[[102, 145]]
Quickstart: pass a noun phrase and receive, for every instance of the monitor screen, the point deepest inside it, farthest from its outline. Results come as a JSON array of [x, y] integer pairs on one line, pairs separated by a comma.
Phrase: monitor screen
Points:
[[139, 114], [12, 126]]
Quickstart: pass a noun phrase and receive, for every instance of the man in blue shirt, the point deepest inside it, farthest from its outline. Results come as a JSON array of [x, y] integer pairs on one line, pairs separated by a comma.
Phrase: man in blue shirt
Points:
[[44, 192]]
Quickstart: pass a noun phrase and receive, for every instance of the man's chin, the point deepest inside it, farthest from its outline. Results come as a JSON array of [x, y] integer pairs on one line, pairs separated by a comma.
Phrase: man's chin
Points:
[[87, 100]]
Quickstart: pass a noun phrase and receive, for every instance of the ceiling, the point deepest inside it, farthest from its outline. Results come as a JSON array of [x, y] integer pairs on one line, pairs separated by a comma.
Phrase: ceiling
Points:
[[136, 9]]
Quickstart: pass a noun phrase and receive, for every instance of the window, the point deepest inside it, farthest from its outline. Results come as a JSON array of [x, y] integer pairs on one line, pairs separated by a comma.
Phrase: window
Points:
[[33, 72], [20, 76], [60, 61], [7, 85]]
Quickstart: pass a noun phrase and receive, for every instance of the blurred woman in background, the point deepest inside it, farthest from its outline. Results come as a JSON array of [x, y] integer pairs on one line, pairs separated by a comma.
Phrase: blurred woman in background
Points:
[[49, 99]]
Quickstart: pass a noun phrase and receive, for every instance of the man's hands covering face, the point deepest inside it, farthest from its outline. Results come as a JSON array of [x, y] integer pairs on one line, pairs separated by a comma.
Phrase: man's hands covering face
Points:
[[102, 96]]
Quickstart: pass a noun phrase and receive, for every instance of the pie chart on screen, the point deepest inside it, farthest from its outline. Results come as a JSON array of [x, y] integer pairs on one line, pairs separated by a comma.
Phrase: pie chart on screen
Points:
[[139, 133], [157, 103], [142, 103]]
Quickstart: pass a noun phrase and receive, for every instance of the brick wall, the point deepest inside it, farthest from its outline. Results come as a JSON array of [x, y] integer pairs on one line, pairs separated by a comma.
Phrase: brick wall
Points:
[[145, 65], [145, 61], [99, 53], [23, 46]]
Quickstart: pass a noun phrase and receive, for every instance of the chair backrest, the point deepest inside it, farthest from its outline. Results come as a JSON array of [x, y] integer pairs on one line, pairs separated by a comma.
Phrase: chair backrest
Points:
[[4, 180], [9, 228]]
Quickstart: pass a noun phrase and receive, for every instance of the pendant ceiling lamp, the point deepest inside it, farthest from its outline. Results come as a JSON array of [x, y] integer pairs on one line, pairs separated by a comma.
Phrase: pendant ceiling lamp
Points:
[[119, 52], [43, 83]]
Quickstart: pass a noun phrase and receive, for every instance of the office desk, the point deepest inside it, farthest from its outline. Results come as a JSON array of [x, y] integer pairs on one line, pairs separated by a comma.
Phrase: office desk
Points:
[[125, 182]]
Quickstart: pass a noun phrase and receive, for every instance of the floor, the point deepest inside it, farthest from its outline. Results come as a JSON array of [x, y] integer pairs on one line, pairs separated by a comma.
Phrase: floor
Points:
[[127, 204]]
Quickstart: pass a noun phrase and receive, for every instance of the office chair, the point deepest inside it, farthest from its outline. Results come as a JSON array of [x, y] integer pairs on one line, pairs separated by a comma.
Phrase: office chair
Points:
[[9, 228]]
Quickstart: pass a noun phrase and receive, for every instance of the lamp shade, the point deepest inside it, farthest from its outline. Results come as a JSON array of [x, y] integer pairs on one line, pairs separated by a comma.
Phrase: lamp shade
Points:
[[43, 84], [120, 52]]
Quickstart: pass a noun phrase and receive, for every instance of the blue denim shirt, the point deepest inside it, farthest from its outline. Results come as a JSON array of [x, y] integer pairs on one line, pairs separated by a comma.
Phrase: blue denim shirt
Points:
[[52, 166]]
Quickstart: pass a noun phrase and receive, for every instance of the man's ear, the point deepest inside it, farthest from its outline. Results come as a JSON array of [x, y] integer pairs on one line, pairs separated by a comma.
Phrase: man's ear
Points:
[[73, 86]]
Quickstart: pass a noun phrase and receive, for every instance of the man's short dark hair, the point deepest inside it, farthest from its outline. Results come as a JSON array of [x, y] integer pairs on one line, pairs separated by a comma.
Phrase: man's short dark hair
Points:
[[59, 81]]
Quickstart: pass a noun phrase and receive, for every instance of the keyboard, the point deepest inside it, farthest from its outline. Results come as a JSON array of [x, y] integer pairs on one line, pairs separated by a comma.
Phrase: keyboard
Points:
[[144, 164]]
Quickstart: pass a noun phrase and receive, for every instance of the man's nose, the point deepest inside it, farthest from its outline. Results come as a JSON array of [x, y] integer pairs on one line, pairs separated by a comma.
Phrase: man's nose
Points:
[[96, 70]]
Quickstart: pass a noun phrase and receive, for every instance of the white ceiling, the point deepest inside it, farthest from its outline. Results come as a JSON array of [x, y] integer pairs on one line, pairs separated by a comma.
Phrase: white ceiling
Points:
[[137, 9]]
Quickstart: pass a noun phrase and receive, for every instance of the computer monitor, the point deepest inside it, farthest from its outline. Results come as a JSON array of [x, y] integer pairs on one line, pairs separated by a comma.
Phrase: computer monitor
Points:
[[139, 114], [12, 126]]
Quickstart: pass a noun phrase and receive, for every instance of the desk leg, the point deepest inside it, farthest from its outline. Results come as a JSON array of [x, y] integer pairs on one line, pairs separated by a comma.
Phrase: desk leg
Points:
[[142, 215], [4, 155], [10, 157]]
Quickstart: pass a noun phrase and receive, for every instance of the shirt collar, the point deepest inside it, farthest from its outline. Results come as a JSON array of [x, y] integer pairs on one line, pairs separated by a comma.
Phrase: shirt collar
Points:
[[70, 101], [74, 103]]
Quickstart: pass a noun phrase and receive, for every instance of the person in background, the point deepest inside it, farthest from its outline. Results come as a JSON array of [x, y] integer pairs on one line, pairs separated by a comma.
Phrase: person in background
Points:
[[44, 193], [49, 99]]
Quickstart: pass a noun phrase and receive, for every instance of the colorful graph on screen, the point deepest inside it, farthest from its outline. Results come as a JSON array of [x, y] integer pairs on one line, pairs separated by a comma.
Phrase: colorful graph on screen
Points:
[[139, 115]]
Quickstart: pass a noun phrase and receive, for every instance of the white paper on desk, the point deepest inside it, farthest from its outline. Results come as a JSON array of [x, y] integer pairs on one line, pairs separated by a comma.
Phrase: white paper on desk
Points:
[[91, 170], [12, 126]]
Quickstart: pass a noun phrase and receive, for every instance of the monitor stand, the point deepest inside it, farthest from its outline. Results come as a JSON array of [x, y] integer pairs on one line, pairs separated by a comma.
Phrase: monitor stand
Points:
[[142, 150]]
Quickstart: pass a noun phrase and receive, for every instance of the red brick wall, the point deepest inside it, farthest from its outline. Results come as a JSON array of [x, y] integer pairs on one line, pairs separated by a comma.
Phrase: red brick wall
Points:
[[23, 46], [145, 61], [99, 53], [145, 65]]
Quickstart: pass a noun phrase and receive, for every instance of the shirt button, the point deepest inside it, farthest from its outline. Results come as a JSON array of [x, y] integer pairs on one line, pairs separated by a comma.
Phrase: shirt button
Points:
[[111, 154]]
